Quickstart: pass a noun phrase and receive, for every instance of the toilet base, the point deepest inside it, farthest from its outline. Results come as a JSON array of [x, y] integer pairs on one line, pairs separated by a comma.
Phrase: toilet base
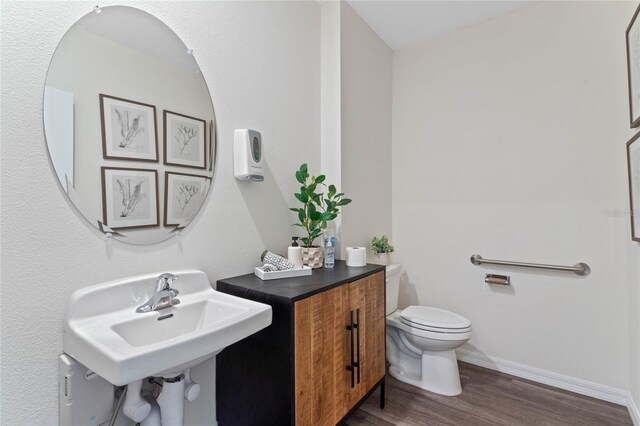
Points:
[[439, 373]]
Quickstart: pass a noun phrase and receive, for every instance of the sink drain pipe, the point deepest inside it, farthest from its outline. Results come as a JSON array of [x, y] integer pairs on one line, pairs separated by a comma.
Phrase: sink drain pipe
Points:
[[171, 401], [135, 406]]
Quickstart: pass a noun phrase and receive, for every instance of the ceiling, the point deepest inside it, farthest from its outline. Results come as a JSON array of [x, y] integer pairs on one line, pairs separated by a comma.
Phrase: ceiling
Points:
[[403, 23]]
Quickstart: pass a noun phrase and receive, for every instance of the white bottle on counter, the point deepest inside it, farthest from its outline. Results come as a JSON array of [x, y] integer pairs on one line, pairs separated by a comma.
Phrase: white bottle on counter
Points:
[[294, 253]]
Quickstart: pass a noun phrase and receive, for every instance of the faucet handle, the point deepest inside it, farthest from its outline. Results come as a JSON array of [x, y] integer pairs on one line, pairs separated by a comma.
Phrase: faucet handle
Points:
[[165, 281]]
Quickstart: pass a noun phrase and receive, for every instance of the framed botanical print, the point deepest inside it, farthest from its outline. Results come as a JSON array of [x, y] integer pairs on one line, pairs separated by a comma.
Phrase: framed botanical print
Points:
[[633, 68], [130, 198], [183, 196], [185, 142], [128, 129], [212, 144], [633, 168]]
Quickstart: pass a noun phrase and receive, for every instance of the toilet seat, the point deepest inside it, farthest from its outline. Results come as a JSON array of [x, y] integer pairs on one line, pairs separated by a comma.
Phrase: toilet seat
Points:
[[434, 320]]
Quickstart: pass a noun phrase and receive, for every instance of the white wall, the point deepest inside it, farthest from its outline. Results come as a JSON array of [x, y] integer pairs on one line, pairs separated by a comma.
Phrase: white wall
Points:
[[634, 331], [509, 141], [366, 64], [330, 98], [261, 62]]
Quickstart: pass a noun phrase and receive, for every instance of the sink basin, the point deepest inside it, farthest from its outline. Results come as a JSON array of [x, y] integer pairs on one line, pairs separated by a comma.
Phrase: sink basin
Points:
[[103, 331]]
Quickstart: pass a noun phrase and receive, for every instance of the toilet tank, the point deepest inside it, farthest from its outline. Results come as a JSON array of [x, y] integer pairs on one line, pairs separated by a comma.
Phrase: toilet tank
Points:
[[393, 288]]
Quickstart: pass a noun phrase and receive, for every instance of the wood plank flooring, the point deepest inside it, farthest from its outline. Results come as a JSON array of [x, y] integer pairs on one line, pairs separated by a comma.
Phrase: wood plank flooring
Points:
[[488, 398]]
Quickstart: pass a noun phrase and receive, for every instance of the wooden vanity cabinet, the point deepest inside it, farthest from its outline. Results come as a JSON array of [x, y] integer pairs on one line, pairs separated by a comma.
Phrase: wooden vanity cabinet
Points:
[[328, 351]]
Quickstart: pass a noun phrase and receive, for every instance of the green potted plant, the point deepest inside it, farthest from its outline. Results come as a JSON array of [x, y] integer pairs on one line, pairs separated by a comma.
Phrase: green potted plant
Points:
[[318, 209], [382, 248]]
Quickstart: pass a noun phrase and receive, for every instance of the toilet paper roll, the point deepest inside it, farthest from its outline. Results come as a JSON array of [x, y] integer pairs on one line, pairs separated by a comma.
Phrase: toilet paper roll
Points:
[[497, 279], [356, 256], [295, 255]]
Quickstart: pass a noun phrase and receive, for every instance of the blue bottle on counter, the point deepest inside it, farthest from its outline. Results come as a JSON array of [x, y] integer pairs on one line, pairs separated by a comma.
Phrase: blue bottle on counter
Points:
[[329, 250]]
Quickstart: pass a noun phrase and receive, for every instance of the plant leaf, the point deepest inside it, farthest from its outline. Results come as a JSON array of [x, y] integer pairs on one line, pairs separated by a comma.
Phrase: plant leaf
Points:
[[302, 197], [294, 209], [320, 179], [301, 215], [332, 190], [315, 216], [344, 202], [311, 209], [303, 168], [300, 176]]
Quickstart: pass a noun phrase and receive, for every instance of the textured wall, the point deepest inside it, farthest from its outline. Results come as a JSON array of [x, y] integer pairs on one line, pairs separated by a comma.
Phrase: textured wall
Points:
[[261, 62], [509, 141]]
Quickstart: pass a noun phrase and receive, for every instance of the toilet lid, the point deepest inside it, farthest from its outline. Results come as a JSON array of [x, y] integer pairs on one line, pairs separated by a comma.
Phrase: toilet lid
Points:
[[434, 317]]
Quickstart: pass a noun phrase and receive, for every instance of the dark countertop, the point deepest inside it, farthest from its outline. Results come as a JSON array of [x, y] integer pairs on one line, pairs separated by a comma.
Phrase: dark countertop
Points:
[[297, 288]]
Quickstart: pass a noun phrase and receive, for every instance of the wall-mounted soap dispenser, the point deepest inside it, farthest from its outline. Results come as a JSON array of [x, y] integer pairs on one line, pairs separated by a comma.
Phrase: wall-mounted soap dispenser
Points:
[[248, 155]]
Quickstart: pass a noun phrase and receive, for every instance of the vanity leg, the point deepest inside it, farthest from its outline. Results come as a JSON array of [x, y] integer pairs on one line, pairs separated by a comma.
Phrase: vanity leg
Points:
[[382, 395]]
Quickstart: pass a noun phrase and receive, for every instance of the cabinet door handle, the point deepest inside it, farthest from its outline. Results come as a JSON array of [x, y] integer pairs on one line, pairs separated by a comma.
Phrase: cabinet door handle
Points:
[[351, 366], [357, 326]]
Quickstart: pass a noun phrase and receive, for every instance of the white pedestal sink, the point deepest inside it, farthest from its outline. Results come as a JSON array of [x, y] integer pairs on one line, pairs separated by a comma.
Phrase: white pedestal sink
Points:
[[103, 331]]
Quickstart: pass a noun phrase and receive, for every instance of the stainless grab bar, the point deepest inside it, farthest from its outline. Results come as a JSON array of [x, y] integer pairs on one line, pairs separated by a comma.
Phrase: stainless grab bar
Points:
[[578, 268]]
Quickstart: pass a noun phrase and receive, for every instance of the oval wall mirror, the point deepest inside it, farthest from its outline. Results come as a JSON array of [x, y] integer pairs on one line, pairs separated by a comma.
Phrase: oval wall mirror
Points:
[[129, 125]]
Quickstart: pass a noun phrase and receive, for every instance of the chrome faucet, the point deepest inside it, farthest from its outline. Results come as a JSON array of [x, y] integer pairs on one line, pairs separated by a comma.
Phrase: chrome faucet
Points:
[[164, 296]]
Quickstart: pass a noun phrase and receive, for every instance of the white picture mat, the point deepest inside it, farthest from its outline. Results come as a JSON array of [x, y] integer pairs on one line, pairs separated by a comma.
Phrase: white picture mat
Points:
[[144, 143], [178, 151], [183, 205], [145, 211]]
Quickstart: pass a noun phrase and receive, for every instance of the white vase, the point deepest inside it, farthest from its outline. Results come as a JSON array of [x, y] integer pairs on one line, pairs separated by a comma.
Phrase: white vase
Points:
[[382, 259]]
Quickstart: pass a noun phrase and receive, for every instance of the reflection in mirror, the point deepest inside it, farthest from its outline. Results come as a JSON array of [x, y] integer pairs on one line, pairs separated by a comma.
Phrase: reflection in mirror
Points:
[[129, 125]]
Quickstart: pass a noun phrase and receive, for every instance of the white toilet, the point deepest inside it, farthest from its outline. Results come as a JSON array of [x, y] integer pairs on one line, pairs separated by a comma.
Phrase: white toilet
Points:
[[421, 342]]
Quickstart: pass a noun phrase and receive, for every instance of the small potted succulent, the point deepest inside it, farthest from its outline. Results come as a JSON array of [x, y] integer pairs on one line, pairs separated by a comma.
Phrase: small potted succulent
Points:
[[381, 250], [318, 209]]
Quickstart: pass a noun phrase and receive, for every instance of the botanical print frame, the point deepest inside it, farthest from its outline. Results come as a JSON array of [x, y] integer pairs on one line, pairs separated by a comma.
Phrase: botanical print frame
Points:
[[633, 68], [184, 194], [130, 198], [633, 168], [129, 129], [185, 140], [212, 144]]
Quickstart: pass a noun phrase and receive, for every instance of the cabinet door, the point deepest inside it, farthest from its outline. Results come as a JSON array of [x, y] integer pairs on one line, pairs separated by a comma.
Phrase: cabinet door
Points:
[[366, 300], [321, 357]]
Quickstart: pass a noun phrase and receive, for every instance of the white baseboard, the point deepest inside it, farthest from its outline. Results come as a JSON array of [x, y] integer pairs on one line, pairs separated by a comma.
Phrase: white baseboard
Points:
[[633, 411], [561, 381]]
